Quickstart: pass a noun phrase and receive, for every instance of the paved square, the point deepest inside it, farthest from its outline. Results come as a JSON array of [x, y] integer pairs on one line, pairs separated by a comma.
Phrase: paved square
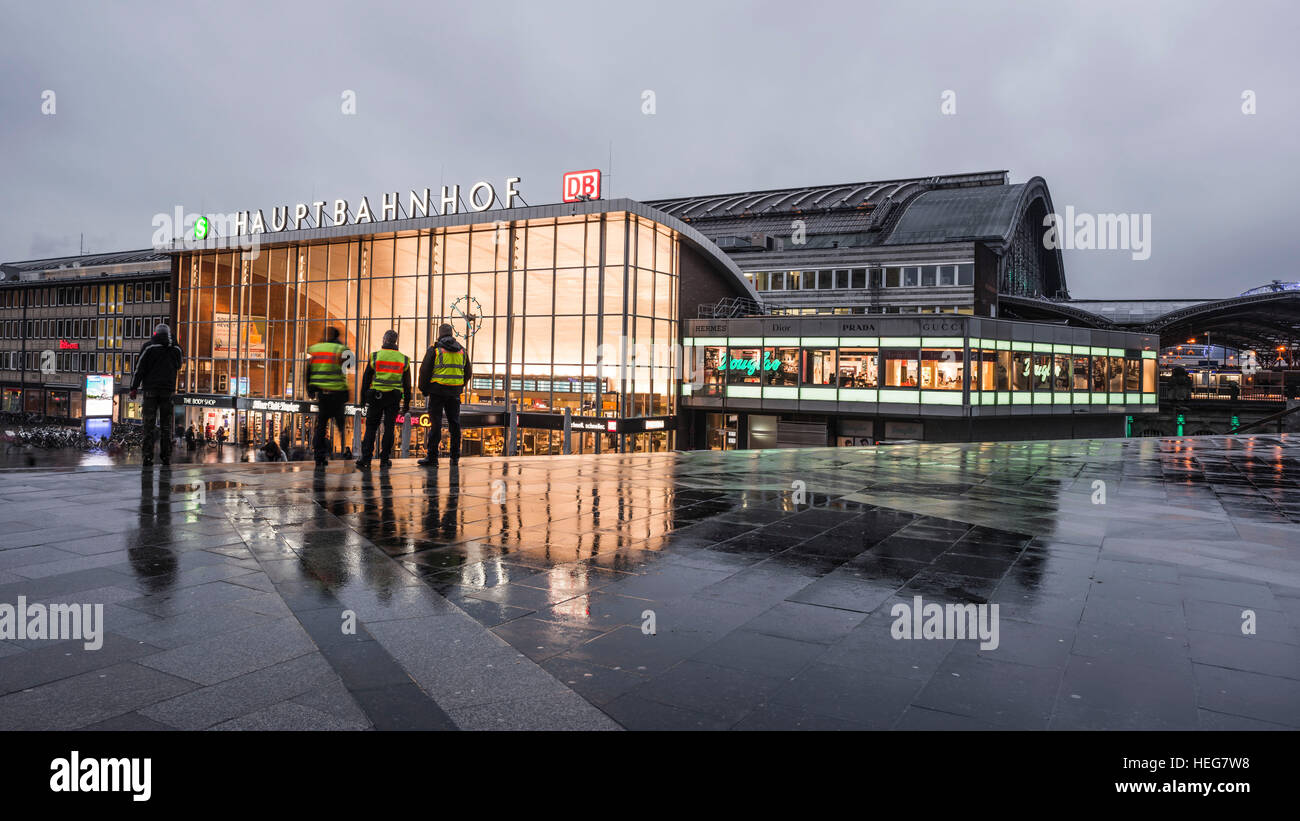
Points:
[[701, 590]]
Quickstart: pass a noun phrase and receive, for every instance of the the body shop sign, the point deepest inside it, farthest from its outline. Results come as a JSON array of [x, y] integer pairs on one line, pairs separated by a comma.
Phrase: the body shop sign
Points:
[[99, 394]]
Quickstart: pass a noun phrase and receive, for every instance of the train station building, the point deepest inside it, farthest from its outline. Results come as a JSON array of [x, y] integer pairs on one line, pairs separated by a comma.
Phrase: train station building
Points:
[[923, 308]]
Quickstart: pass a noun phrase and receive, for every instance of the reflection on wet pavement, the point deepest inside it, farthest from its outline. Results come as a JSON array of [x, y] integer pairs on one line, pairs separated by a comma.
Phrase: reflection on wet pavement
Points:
[[747, 590]]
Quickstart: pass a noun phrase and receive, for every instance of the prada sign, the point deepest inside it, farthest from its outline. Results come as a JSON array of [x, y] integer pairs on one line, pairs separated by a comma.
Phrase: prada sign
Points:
[[481, 196]]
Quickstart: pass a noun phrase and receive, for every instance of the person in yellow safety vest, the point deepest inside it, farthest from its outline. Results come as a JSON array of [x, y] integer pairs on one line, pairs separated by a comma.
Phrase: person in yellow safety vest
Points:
[[328, 363], [386, 387], [444, 373]]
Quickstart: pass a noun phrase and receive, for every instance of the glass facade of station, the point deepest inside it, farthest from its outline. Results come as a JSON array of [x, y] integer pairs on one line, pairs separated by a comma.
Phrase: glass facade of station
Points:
[[552, 300]]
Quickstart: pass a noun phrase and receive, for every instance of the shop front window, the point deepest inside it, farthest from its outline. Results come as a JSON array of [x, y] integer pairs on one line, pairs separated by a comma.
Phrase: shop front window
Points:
[[1043, 372], [781, 366], [1115, 374], [1061, 376], [1133, 375], [983, 372], [901, 368], [743, 366], [1099, 374], [1080, 373], [1148, 376], [942, 368], [819, 366], [1005, 368], [1023, 372], [859, 368]]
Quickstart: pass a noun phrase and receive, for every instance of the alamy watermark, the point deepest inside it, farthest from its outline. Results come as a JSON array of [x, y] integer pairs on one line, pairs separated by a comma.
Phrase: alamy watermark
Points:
[[54, 622], [1100, 232], [919, 620]]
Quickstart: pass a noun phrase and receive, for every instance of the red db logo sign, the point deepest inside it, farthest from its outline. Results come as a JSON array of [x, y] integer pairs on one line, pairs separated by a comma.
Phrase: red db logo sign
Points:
[[582, 185]]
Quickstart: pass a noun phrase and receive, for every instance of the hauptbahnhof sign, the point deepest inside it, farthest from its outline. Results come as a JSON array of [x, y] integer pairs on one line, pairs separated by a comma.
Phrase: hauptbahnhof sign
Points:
[[482, 196]]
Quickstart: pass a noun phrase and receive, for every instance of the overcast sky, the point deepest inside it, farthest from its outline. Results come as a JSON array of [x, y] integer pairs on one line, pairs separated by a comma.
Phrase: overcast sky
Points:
[[1126, 107]]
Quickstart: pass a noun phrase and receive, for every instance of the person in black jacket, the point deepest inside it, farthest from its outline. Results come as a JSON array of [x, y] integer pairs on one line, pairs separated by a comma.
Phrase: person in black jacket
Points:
[[160, 360], [444, 373]]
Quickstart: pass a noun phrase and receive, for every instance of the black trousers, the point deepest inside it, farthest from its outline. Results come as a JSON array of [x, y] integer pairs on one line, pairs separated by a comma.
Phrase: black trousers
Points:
[[331, 410], [438, 405], [381, 408], [157, 412]]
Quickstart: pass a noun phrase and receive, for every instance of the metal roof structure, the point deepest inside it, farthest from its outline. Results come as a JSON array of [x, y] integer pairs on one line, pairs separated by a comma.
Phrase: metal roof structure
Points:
[[1261, 318], [115, 264], [953, 215], [789, 201], [144, 255]]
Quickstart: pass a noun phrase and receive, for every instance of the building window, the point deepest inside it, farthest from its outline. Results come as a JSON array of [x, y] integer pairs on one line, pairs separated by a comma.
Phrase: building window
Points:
[[743, 366], [1115, 374], [900, 367], [819, 366], [1042, 372], [1022, 378], [942, 369], [1080, 376], [712, 359], [859, 368], [781, 366], [947, 275], [1061, 374], [911, 276], [966, 273], [929, 274], [1133, 375]]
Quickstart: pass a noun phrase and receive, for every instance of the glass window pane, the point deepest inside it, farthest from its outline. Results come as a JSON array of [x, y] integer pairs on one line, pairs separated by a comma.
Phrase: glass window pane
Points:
[[942, 368], [743, 366]]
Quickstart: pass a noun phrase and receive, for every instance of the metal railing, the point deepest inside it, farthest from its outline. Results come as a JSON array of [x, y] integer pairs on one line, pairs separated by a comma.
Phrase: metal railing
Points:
[[1268, 393], [1273, 417]]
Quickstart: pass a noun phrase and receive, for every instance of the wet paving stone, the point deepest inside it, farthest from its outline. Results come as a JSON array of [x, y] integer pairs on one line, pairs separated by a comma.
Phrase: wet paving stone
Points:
[[671, 591]]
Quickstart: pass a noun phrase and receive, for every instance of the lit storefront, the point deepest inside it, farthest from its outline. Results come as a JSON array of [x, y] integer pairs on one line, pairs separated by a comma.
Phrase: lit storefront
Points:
[[570, 315], [770, 382]]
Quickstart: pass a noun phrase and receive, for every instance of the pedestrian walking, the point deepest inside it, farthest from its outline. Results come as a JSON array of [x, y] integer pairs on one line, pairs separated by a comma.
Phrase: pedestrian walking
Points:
[[444, 373], [160, 361], [386, 387]]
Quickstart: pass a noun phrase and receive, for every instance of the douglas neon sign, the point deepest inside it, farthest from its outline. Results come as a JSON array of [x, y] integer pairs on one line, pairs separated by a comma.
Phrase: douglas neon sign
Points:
[[750, 366]]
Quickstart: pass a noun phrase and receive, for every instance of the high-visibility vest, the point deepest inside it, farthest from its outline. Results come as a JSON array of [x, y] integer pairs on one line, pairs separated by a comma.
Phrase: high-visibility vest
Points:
[[389, 365], [325, 371], [448, 368]]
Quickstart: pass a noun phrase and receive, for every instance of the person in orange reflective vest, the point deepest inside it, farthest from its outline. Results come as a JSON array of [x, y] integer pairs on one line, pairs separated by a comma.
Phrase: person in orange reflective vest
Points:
[[328, 362], [386, 388]]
